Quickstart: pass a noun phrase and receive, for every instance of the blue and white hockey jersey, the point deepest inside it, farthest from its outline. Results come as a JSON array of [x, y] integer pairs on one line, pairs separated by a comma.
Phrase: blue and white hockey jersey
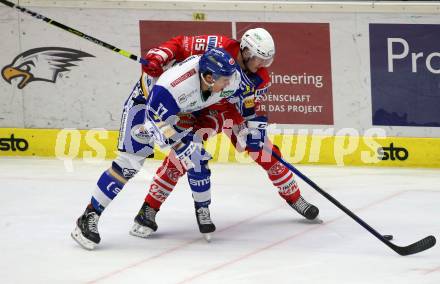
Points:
[[178, 91]]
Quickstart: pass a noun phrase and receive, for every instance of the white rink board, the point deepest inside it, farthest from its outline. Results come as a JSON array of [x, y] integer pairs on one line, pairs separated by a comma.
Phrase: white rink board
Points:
[[91, 95]]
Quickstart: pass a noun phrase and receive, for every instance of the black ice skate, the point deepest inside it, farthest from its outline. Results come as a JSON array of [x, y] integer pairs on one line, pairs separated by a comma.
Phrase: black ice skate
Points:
[[86, 232], [204, 221], [144, 222], [309, 211]]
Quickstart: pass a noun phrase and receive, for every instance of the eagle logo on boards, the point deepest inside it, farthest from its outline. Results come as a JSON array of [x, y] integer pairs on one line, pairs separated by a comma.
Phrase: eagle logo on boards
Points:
[[41, 64]]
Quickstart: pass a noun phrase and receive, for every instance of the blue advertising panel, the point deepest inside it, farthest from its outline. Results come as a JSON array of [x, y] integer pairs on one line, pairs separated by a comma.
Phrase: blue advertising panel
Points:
[[405, 74]]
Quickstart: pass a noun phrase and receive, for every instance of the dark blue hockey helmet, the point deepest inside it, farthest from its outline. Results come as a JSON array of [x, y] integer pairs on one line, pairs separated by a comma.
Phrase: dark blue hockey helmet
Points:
[[217, 62]]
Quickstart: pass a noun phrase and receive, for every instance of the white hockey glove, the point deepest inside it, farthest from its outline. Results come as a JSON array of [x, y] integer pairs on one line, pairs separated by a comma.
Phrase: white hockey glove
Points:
[[257, 132], [191, 155]]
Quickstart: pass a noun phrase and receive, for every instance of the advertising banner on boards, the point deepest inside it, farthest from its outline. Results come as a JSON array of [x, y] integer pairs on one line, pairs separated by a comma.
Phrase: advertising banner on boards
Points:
[[405, 74], [301, 91]]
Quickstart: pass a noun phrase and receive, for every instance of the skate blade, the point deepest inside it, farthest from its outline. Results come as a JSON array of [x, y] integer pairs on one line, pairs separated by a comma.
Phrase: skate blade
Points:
[[82, 241], [140, 231], [207, 237]]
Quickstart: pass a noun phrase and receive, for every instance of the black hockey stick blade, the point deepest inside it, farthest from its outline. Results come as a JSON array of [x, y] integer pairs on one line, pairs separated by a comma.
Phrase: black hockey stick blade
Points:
[[416, 247]]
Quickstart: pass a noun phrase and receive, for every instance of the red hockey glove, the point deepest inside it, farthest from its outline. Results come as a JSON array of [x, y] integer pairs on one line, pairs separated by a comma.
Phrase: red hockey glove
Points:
[[157, 58]]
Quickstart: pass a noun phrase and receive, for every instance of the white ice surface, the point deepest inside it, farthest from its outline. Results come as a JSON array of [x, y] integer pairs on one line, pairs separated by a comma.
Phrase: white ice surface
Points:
[[259, 239]]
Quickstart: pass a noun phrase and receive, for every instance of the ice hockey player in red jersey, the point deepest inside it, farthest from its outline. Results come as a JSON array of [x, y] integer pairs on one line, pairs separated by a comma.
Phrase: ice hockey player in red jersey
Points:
[[254, 53]]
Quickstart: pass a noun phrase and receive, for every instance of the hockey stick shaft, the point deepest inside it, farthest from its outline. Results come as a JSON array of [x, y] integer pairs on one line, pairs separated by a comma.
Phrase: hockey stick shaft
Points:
[[419, 246], [76, 32]]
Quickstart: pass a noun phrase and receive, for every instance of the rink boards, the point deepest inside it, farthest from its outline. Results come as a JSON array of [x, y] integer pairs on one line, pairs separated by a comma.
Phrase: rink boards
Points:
[[340, 80], [99, 144]]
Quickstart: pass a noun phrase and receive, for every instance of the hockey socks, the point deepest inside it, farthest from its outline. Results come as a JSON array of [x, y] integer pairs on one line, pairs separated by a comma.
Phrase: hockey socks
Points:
[[280, 175], [108, 186], [164, 181], [200, 184], [284, 180]]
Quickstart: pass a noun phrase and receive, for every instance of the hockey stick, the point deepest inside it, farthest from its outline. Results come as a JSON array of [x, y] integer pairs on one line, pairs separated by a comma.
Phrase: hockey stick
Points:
[[76, 32], [416, 247]]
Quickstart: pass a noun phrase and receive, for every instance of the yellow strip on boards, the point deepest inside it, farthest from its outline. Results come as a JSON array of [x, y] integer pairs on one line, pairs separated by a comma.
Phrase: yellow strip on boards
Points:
[[297, 149]]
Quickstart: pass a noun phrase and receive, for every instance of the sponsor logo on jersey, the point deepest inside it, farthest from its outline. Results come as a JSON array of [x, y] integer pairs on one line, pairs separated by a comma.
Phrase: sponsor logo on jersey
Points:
[[140, 134], [212, 41], [392, 153], [245, 89], [183, 77], [262, 91], [13, 144], [225, 94], [200, 182], [249, 103], [42, 64], [184, 97]]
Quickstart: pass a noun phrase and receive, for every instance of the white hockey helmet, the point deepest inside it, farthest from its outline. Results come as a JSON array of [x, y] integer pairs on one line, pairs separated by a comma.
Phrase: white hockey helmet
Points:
[[260, 44]]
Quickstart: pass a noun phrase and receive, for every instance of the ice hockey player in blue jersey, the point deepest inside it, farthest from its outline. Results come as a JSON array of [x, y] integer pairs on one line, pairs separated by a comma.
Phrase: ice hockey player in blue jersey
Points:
[[192, 85], [182, 90]]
